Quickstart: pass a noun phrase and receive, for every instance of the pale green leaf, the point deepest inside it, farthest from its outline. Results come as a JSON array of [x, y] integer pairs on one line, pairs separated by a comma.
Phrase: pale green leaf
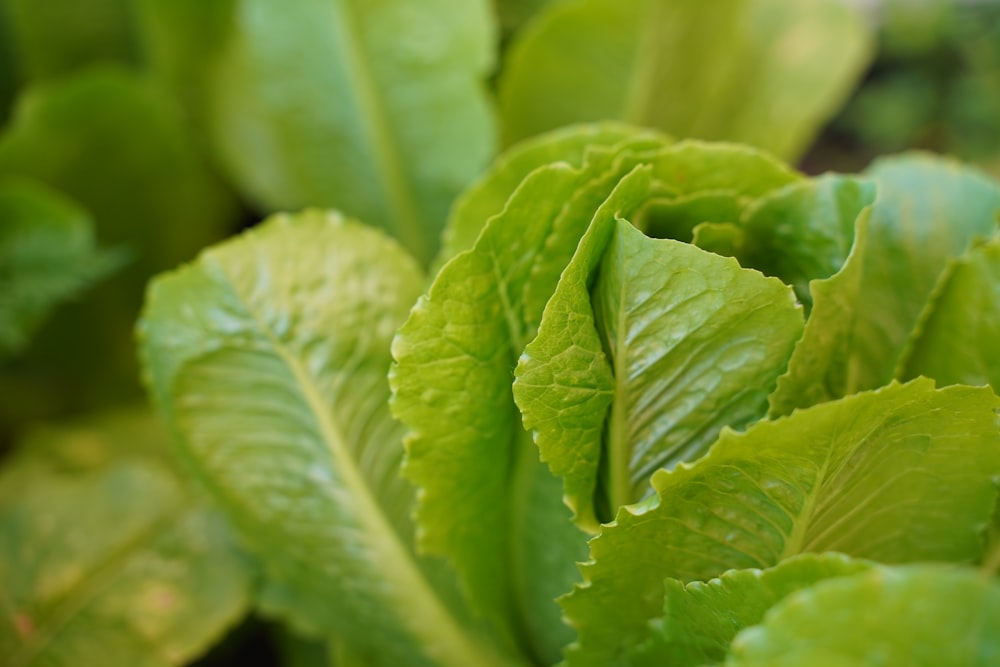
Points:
[[897, 475], [919, 616], [928, 211], [48, 255], [700, 619], [486, 197], [647, 349], [764, 74], [375, 108], [467, 450], [269, 358], [116, 566], [958, 339]]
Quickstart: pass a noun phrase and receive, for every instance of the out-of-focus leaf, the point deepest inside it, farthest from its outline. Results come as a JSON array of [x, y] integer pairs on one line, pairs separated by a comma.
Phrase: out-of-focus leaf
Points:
[[957, 340], [917, 615], [114, 567], [878, 475], [646, 350], [105, 557], [928, 211], [10, 78], [57, 37], [47, 255], [88, 443], [756, 71], [700, 619], [269, 357], [117, 145], [181, 40], [375, 108]]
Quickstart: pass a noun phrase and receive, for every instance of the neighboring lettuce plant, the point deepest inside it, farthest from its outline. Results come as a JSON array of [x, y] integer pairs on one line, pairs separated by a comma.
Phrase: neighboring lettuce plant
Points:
[[705, 376]]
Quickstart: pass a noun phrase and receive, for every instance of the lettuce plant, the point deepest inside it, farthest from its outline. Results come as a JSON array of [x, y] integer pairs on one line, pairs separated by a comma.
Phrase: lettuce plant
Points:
[[657, 403]]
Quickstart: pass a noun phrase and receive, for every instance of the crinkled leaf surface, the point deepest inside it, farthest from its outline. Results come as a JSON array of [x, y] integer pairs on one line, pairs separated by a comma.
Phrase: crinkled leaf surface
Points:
[[487, 196], [921, 615], [467, 450], [764, 73], [119, 565], [376, 108], [700, 619], [895, 475], [48, 254], [269, 357], [642, 370], [958, 339]]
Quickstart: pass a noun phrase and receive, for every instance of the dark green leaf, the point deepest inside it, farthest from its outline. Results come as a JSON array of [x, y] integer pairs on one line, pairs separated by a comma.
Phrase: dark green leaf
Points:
[[47, 255]]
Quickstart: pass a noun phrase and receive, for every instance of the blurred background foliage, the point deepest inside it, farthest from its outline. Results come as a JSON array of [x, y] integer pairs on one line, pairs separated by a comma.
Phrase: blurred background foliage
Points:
[[133, 133]]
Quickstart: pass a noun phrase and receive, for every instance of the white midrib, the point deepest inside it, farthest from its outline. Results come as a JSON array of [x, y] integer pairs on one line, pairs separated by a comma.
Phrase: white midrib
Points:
[[404, 219], [424, 616]]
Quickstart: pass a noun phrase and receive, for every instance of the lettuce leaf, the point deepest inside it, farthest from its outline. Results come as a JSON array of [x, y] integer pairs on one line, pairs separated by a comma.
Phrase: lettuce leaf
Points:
[[763, 75], [878, 475], [920, 615], [269, 357]]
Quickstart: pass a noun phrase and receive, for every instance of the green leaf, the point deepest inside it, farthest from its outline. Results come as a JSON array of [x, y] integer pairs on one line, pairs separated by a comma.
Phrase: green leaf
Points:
[[928, 211], [48, 255], [764, 74], [153, 190], [804, 231], [116, 144], [58, 37], [821, 368], [118, 566], [957, 337], [923, 615], [646, 350], [180, 39], [700, 619], [378, 109], [269, 357], [879, 475], [486, 196]]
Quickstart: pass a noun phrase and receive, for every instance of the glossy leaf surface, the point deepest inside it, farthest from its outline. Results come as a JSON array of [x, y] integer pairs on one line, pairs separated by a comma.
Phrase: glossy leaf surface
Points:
[[877, 475], [269, 357]]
